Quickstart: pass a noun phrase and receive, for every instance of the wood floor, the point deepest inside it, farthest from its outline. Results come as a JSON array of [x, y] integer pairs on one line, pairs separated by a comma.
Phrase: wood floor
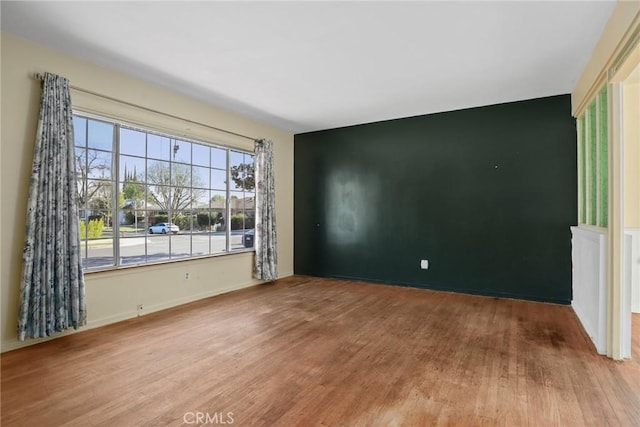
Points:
[[306, 351]]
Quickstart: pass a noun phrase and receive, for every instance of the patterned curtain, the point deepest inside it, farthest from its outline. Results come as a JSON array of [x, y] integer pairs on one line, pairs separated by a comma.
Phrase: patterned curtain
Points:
[[266, 264], [52, 289]]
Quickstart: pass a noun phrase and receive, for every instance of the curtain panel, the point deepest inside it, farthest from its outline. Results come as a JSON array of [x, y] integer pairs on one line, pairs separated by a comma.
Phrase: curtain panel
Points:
[[52, 289], [266, 260]]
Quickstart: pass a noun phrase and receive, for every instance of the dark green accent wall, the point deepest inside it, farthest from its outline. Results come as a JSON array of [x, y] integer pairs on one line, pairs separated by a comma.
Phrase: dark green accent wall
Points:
[[487, 195]]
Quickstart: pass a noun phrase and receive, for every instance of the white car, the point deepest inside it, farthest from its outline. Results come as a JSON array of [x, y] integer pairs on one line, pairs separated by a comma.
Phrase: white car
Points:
[[164, 228]]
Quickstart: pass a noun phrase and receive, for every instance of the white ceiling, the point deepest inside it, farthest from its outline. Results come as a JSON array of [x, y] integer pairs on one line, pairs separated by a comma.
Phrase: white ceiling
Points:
[[306, 66]]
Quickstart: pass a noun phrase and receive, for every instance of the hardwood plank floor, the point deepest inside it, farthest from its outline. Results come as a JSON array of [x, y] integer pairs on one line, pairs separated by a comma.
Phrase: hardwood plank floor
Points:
[[308, 351]]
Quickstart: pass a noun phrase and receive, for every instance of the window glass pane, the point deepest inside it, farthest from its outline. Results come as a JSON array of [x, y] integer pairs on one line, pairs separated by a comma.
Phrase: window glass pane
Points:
[[604, 159], [132, 142], [157, 243], [237, 222], [201, 176], [180, 175], [100, 135], [98, 164], [218, 158], [158, 147], [218, 221], [242, 172], [236, 202], [200, 242], [583, 169], [80, 131], [132, 169], [202, 218], [183, 220], [132, 247], [218, 242], [201, 155], [248, 239], [181, 151], [158, 173], [133, 195], [218, 210], [99, 254], [250, 201], [236, 158], [159, 198], [181, 241], [593, 164], [181, 198], [218, 179], [132, 252], [81, 162], [99, 195], [249, 219], [82, 193], [236, 241], [82, 227], [249, 231], [98, 231], [201, 199], [218, 199]]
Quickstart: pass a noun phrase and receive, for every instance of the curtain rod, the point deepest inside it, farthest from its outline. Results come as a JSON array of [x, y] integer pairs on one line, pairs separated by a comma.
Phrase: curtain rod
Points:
[[39, 76]]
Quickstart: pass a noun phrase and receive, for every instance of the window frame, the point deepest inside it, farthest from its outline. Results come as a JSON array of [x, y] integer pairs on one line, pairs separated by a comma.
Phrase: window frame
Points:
[[119, 124]]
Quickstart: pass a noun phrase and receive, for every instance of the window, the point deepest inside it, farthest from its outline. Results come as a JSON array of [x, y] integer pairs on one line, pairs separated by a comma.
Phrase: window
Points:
[[593, 157], [146, 197]]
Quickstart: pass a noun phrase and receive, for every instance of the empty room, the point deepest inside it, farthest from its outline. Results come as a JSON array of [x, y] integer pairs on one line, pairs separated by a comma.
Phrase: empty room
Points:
[[320, 213]]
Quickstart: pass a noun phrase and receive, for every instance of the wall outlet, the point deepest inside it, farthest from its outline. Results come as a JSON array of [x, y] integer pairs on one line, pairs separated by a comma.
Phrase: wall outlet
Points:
[[139, 307], [186, 275], [424, 264]]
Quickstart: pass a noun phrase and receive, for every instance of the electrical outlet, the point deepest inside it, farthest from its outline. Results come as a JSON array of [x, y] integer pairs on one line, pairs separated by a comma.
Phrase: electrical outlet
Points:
[[186, 276], [424, 264], [139, 307]]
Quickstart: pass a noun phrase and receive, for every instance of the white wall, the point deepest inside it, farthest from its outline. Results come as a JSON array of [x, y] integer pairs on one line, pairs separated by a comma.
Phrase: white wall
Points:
[[113, 296], [589, 259]]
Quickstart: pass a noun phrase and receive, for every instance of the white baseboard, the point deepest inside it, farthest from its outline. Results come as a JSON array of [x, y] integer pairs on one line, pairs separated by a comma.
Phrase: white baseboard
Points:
[[96, 323]]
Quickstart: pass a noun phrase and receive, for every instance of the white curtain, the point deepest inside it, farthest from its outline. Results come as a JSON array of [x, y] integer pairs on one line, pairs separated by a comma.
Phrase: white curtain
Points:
[[52, 288], [266, 261]]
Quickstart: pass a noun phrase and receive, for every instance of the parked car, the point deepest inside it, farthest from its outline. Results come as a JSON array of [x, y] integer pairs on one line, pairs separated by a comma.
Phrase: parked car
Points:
[[164, 228], [247, 238]]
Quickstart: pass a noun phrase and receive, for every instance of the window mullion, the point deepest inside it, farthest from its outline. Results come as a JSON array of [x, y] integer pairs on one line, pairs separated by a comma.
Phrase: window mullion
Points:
[[115, 212], [191, 209], [171, 194], [86, 186], [146, 198], [228, 202]]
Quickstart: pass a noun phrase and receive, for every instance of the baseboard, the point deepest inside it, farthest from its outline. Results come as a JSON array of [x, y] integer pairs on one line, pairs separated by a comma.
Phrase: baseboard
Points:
[[468, 291], [588, 339], [96, 323], [582, 317], [191, 298], [286, 274]]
